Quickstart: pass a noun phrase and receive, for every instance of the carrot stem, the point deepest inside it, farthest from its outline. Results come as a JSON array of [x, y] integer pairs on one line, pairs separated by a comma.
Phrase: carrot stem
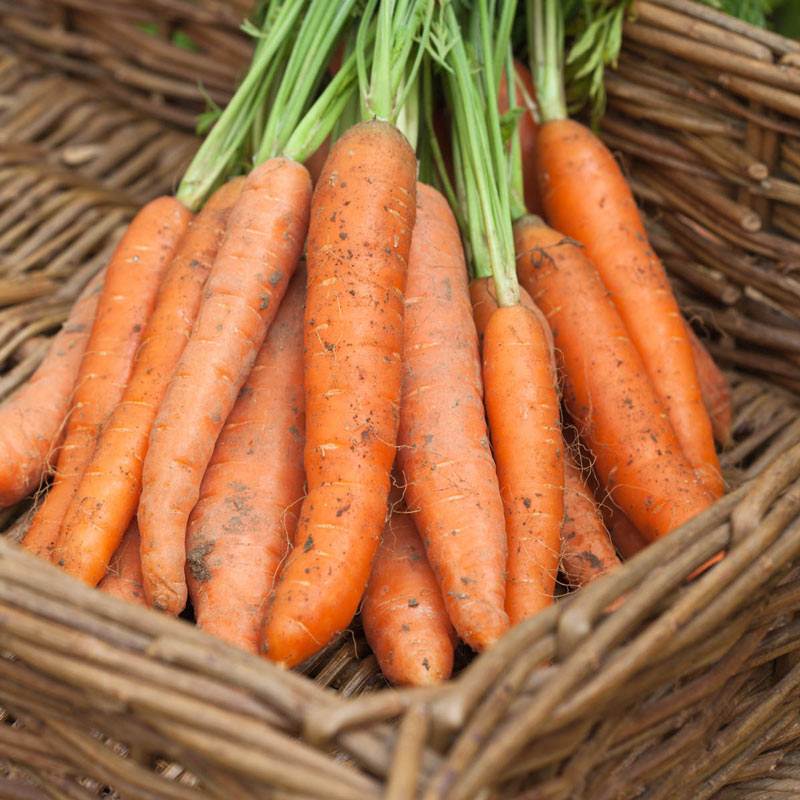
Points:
[[545, 35], [221, 146]]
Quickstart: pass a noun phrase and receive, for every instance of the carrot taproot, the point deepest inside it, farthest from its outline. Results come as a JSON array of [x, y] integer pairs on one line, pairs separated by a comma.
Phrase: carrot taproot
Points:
[[403, 613], [527, 129], [34, 419], [316, 161], [585, 196], [626, 538], [715, 389], [586, 548], [443, 442], [244, 522], [358, 245], [534, 527], [106, 498], [129, 291], [124, 576], [262, 246], [524, 423], [606, 388]]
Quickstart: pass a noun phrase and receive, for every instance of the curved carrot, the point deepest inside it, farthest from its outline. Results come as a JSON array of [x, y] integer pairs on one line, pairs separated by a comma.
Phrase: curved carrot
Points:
[[585, 196], [606, 389], [403, 613], [106, 498], [33, 420], [715, 389], [524, 423], [444, 455], [245, 519], [358, 244], [527, 130], [586, 548], [258, 256], [124, 577], [126, 302]]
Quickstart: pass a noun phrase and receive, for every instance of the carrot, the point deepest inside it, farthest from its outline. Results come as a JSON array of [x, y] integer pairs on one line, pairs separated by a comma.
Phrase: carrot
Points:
[[527, 129], [316, 160], [444, 456], [715, 389], [606, 389], [585, 196], [126, 302], [586, 549], [107, 495], [245, 519], [33, 420], [523, 411], [403, 613], [626, 538], [532, 485], [124, 577], [258, 256], [358, 245]]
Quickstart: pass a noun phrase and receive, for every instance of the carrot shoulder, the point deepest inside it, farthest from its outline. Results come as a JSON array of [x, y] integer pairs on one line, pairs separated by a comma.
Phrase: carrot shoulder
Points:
[[444, 455], [258, 256], [33, 420], [358, 244], [107, 495], [126, 302], [245, 519], [585, 196], [606, 389], [403, 613]]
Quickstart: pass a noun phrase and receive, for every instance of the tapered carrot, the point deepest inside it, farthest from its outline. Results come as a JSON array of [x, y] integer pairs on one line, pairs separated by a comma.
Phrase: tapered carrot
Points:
[[124, 577], [626, 538], [358, 244], [522, 400], [523, 411], [585, 196], [586, 548], [444, 455], [126, 302], [108, 493], [258, 256], [34, 419], [527, 129], [403, 613], [245, 519], [715, 389], [606, 389]]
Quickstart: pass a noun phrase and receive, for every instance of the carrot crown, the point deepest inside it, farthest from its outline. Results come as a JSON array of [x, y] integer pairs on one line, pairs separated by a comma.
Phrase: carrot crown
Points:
[[479, 154]]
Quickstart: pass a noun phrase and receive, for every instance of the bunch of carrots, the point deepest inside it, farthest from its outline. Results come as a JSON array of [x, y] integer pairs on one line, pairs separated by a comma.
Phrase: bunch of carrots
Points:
[[290, 399]]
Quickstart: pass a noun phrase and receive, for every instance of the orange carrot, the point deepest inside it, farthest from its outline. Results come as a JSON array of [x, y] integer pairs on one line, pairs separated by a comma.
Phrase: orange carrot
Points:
[[316, 161], [358, 245], [626, 538], [533, 527], [444, 455], [527, 129], [243, 524], [107, 495], [523, 411], [586, 549], [716, 391], [33, 420], [258, 256], [606, 389], [126, 302], [124, 577], [585, 196], [403, 613]]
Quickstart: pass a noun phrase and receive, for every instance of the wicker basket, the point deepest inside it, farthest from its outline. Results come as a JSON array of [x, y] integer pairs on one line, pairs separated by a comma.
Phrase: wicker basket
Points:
[[688, 689]]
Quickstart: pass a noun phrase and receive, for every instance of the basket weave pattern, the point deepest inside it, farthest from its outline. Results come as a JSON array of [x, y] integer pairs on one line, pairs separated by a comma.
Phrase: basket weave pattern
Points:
[[643, 684]]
